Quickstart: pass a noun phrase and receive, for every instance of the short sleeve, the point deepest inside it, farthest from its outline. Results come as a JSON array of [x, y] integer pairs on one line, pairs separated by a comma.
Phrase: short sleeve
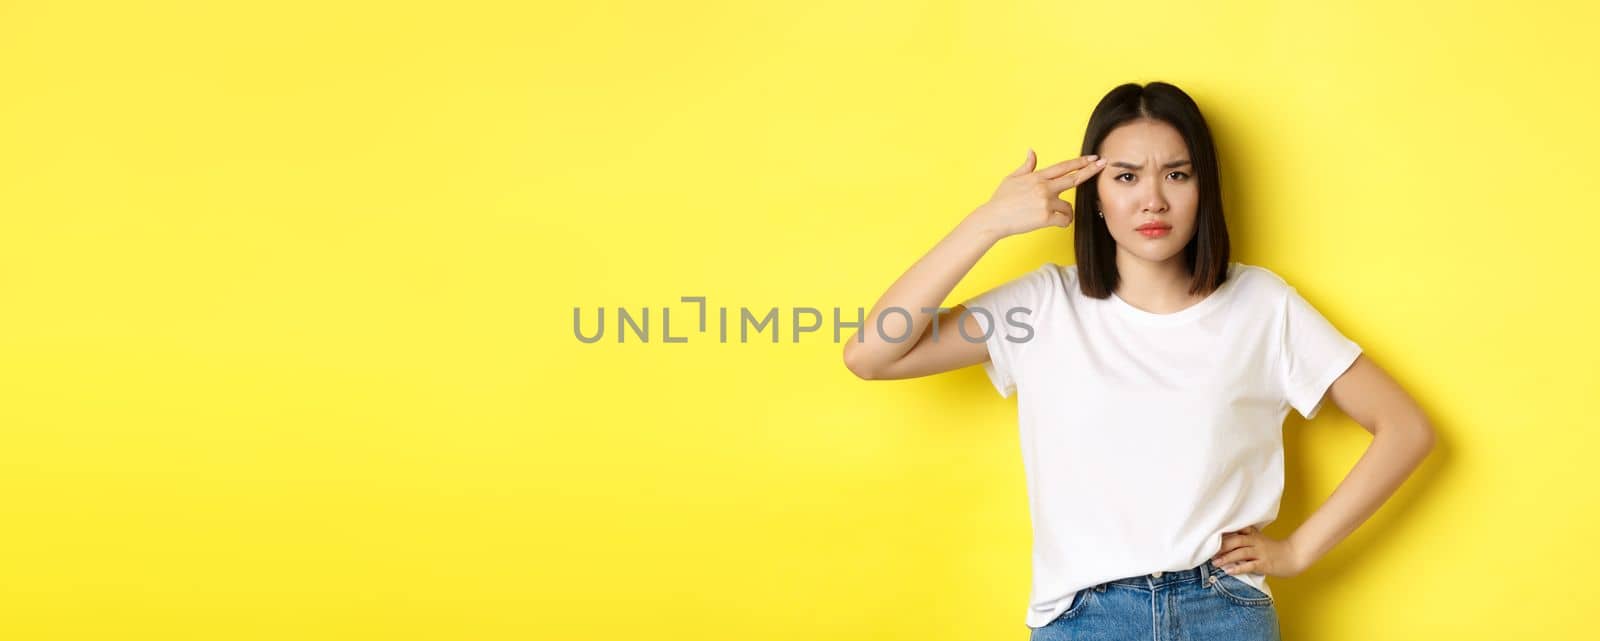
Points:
[[1313, 354], [1006, 314]]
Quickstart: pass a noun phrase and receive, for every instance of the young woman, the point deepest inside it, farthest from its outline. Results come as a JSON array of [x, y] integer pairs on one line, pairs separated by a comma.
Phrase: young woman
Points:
[[1152, 379]]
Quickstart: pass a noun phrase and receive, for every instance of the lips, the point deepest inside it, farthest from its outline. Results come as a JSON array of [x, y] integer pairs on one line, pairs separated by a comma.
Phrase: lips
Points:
[[1153, 230]]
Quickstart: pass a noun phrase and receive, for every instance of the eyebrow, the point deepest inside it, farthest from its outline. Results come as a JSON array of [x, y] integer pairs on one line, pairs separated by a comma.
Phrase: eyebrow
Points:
[[1170, 165]]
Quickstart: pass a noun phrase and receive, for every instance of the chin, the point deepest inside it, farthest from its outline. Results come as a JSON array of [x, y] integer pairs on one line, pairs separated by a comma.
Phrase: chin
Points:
[[1161, 257], [1157, 251]]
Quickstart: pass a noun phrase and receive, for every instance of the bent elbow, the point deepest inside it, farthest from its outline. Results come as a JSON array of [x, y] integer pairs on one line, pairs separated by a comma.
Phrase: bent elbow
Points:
[[1418, 434], [1428, 437], [853, 362]]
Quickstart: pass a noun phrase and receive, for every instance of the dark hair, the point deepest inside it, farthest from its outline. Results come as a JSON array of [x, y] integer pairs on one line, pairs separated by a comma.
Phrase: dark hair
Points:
[[1207, 252]]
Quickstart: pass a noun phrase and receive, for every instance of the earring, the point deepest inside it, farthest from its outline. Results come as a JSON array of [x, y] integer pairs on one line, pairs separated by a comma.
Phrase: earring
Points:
[[1101, 213]]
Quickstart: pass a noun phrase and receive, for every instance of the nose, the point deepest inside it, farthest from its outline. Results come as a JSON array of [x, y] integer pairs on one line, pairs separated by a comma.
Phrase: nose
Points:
[[1155, 202]]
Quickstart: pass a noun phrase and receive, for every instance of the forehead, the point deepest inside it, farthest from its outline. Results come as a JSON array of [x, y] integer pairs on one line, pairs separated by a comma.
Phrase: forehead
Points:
[[1143, 138]]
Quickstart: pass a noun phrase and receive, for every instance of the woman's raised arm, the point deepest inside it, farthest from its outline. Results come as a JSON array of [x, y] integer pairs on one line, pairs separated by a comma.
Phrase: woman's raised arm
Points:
[[894, 340]]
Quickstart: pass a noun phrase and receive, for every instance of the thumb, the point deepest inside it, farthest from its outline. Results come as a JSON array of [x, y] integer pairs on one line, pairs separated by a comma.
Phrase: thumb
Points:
[[1059, 219], [1027, 165]]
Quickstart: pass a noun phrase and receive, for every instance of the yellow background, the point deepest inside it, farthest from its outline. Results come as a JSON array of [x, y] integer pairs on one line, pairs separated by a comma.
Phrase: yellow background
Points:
[[287, 335]]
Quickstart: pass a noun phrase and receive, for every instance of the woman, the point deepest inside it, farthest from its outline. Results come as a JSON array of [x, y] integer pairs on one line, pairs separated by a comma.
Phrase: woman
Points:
[[1153, 377]]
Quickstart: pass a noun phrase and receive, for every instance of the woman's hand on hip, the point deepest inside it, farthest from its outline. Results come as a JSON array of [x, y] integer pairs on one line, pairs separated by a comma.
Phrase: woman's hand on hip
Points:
[[1248, 550]]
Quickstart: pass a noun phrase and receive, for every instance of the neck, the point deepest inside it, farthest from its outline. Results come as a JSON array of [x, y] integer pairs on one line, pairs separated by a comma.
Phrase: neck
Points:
[[1156, 287]]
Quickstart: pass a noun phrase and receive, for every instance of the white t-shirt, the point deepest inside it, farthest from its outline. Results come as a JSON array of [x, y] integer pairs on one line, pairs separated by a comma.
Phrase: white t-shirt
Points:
[[1147, 436]]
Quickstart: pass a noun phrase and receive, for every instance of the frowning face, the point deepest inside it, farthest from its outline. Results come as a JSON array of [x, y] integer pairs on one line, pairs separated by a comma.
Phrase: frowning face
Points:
[[1148, 191]]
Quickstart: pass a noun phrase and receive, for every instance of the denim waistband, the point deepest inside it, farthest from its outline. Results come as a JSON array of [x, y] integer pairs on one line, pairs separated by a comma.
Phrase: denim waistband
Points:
[[1156, 580]]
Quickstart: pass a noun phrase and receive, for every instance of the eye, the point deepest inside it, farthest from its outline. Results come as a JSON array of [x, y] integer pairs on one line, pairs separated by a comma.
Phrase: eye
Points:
[[1185, 176], [1119, 176]]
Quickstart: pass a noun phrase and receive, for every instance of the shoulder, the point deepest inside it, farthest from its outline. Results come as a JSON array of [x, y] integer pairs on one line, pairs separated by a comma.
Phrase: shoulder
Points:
[[1068, 273], [1063, 274], [1260, 280], [1028, 288], [1050, 275]]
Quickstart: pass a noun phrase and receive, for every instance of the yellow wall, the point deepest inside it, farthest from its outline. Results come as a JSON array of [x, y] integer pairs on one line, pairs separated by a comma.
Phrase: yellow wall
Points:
[[287, 334]]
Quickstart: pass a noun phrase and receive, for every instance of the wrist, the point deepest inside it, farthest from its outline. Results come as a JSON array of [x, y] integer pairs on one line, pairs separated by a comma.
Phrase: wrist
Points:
[[977, 227], [1305, 553]]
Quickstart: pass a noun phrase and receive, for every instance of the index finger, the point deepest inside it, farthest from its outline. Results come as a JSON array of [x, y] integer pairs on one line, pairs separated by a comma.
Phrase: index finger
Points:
[[1061, 168], [1077, 178]]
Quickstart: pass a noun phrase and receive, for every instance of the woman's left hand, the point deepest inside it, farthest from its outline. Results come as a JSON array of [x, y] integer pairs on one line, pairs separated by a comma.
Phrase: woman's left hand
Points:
[[1251, 551]]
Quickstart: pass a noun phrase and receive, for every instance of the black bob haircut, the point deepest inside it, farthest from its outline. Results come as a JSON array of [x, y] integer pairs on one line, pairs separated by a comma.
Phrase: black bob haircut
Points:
[[1206, 255]]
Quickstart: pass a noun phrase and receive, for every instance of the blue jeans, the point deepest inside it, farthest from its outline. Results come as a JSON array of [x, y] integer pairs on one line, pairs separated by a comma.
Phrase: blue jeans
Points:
[[1203, 603]]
